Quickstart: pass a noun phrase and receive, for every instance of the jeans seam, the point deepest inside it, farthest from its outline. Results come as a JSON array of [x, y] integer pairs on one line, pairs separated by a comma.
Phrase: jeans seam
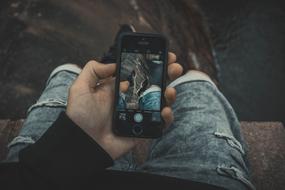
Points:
[[51, 102]]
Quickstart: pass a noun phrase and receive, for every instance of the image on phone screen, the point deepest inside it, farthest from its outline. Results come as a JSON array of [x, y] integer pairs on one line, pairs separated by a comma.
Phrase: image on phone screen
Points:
[[142, 73], [140, 82]]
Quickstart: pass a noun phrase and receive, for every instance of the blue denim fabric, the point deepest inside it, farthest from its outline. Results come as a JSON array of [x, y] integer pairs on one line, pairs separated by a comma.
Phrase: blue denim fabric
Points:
[[42, 114], [203, 144], [149, 101]]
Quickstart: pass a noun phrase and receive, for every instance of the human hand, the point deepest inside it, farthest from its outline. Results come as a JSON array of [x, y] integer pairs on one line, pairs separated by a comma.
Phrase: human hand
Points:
[[90, 105]]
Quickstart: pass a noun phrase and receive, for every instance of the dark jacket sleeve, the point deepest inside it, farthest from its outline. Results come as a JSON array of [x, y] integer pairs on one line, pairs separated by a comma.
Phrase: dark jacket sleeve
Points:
[[64, 153]]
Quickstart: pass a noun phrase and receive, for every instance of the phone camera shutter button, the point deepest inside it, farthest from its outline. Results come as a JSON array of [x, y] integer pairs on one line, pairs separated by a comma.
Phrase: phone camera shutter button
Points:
[[138, 117]]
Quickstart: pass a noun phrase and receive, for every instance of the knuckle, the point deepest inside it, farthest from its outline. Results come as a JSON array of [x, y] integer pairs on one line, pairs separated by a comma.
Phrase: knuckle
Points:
[[91, 63]]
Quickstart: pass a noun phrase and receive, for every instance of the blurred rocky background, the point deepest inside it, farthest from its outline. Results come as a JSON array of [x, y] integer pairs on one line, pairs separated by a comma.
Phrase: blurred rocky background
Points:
[[248, 37]]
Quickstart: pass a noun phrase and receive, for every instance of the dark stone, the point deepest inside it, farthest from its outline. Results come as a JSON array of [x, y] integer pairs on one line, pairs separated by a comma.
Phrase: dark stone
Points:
[[37, 36], [266, 153], [8, 130], [40, 35], [250, 43]]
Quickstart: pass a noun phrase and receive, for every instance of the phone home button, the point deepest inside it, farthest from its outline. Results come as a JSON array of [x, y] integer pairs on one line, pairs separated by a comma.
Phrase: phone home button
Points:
[[137, 130]]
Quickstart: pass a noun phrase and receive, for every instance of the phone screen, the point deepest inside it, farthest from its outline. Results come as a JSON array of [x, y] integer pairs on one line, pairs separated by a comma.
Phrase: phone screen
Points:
[[140, 86]]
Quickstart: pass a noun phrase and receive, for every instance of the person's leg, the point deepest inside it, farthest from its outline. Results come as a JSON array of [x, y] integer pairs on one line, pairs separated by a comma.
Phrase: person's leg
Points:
[[46, 110], [122, 101], [150, 99], [204, 143]]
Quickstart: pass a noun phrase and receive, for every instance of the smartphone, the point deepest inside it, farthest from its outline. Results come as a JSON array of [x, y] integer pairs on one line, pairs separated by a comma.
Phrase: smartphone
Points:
[[140, 85]]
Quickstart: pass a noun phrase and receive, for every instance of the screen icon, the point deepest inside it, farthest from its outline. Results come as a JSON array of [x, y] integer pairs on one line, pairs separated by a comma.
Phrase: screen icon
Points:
[[123, 116]]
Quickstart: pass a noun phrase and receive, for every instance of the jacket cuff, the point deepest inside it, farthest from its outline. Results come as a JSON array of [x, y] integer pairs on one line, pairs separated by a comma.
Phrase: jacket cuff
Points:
[[65, 151]]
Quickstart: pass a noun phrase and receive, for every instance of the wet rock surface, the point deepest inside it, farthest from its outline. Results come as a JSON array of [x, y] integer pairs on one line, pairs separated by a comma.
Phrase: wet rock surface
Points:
[[250, 43], [37, 35], [266, 144]]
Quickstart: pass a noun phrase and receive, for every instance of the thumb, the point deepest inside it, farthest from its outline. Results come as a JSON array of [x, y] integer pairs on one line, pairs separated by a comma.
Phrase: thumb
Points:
[[93, 72]]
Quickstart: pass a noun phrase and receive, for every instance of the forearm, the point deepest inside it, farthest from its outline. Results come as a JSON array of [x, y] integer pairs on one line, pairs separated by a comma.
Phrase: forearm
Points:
[[63, 153]]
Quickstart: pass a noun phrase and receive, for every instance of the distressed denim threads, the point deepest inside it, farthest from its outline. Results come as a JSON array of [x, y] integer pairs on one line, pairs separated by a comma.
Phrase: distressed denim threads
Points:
[[203, 144], [45, 111]]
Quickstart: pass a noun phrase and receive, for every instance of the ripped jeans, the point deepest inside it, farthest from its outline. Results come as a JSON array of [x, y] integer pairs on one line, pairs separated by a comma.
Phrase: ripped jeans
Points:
[[203, 144], [149, 100]]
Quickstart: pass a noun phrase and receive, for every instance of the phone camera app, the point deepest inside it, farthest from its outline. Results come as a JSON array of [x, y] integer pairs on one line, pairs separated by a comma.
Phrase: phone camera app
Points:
[[140, 86]]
